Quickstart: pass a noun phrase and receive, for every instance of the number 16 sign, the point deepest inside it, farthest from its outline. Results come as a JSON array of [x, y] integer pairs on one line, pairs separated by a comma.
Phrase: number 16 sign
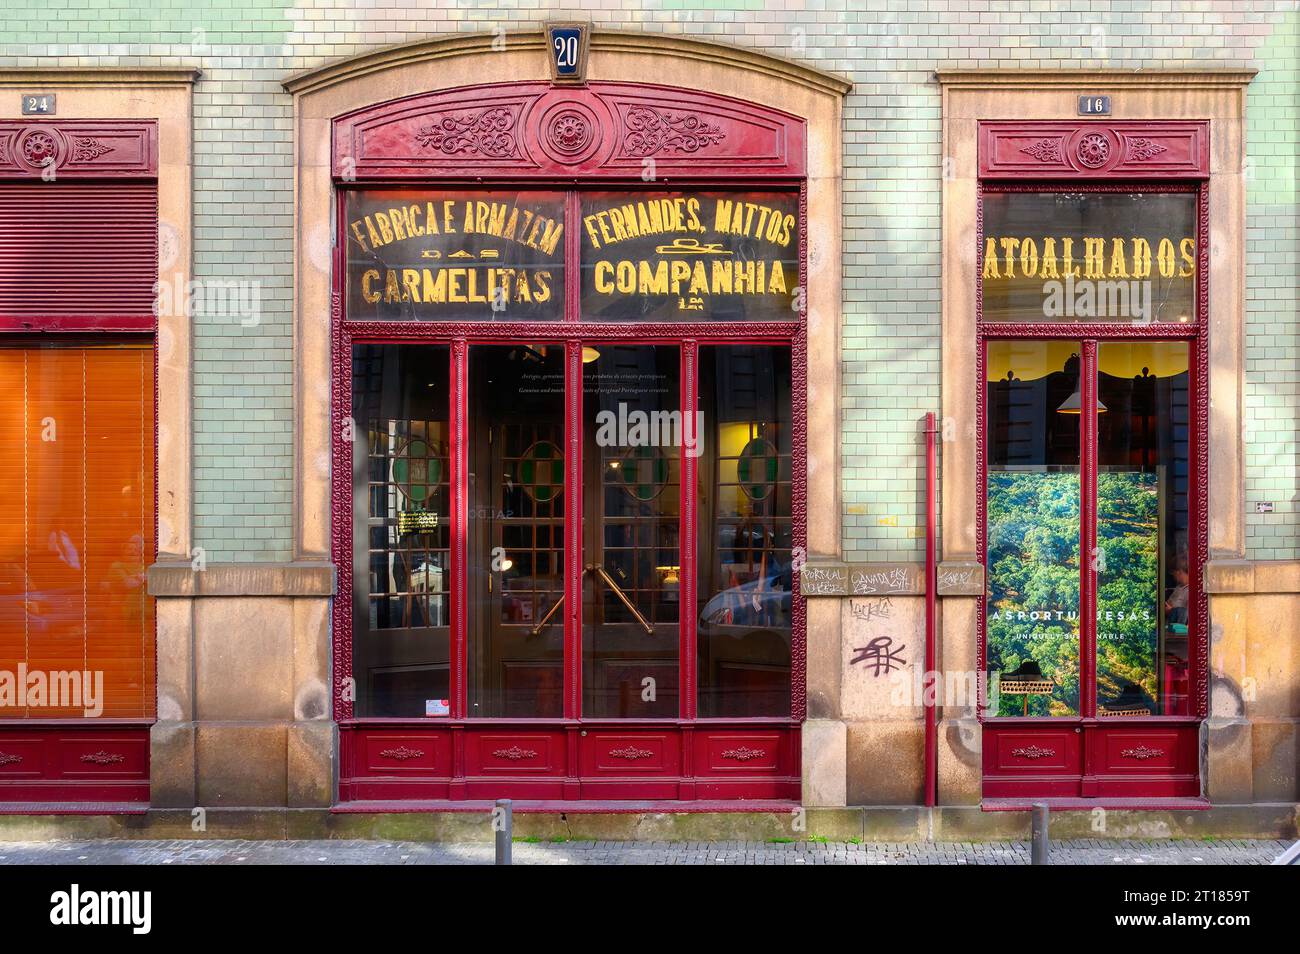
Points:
[[567, 46]]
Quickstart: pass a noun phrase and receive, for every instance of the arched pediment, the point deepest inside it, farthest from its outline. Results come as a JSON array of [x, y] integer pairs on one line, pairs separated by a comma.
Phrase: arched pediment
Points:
[[610, 130]]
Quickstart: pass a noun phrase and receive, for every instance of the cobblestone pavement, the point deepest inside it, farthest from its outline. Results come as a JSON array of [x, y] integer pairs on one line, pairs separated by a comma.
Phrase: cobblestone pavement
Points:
[[1084, 852]]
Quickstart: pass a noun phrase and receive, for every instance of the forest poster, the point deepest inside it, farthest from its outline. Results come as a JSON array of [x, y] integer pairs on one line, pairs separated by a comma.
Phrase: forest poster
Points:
[[1033, 571]]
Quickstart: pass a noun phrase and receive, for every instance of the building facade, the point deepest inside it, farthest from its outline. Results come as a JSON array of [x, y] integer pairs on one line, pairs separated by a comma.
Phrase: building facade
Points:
[[563, 414]]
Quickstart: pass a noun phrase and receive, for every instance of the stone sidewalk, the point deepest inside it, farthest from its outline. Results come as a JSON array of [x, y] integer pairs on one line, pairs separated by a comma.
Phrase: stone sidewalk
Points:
[[216, 852]]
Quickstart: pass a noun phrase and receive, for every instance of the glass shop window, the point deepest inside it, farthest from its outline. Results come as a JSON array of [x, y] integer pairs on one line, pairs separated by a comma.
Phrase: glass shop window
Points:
[[401, 538], [745, 532], [1142, 551]]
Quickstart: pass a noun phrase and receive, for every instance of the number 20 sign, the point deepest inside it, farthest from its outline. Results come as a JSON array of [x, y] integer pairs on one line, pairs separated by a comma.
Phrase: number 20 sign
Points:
[[567, 45]]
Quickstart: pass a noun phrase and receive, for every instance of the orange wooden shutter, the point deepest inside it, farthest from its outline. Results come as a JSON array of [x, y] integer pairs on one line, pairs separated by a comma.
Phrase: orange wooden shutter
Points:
[[77, 520]]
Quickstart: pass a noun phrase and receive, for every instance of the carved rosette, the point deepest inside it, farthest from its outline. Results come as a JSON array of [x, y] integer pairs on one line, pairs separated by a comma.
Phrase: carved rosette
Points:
[[1044, 150], [569, 133], [743, 754], [1093, 150], [1033, 752], [489, 132], [514, 753], [39, 149], [649, 131], [631, 753], [103, 758], [1142, 753], [401, 753]]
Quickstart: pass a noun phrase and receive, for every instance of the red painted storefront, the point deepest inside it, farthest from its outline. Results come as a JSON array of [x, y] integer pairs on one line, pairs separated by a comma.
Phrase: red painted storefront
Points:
[[556, 738], [1101, 749]]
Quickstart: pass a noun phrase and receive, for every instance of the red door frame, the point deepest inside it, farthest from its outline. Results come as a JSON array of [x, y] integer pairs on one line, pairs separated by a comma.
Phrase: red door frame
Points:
[[69, 762], [696, 141], [1085, 756]]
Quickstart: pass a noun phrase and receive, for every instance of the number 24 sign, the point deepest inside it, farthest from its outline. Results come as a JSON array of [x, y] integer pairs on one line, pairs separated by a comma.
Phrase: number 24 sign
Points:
[[567, 46]]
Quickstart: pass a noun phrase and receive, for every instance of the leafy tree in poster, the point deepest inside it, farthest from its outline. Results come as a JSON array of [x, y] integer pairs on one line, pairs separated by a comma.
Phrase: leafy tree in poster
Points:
[[1128, 592], [1033, 562], [1033, 571]]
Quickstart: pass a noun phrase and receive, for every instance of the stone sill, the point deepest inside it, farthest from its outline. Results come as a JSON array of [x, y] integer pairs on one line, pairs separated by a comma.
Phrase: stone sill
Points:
[[242, 579], [1252, 576], [821, 578]]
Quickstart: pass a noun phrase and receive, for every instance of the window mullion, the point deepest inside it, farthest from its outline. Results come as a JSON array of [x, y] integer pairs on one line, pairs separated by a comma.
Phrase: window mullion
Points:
[[1090, 564], [688, 532]]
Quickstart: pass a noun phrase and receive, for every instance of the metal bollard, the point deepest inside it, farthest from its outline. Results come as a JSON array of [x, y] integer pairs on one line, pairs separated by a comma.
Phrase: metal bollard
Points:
[[504, 821], [1038, 852]]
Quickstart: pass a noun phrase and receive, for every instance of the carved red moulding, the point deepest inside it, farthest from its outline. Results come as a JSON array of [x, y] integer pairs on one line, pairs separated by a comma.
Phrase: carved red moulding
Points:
[[1091, 149], [78, 149], [600, 130]]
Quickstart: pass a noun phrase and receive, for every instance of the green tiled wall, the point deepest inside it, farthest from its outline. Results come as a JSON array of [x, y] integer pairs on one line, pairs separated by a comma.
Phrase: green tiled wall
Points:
[[892, 168]]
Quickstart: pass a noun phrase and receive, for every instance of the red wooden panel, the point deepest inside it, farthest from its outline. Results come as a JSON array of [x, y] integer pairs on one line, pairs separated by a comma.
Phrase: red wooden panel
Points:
[[426, 753], [87, 251], [1025, 760], [1090, 149], [741, 752], [1032, 750], [1149, 760], [78, 149], [600, 130], [612, 753], [102, 761], [514, 753], [103, 754], [531, 762], [21, 756]]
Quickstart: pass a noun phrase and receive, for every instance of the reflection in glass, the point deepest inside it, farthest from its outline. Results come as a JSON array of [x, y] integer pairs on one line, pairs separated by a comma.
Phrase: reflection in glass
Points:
[[744, 582], [1032, 525], [1143, 597], [1089, 256], [516, 531], [401, 536], [632, 558]]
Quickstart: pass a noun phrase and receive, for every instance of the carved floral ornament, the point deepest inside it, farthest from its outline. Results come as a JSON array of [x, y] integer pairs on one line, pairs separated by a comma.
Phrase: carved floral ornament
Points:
[[743, 754], [1142, 753], [488, 132], [1033, 752], [514, 753], [402, 753], [631, 753], [569, 133], [103, 758], [1093, 150], [39, 147]]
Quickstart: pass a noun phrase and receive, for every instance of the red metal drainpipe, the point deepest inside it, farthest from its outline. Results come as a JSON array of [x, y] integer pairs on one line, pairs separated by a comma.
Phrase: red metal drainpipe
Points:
[[930, 677]]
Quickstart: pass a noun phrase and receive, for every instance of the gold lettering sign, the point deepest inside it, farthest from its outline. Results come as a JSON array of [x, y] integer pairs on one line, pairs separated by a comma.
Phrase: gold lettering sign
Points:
[[690, 257], [455, 256], [1099, 256]]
